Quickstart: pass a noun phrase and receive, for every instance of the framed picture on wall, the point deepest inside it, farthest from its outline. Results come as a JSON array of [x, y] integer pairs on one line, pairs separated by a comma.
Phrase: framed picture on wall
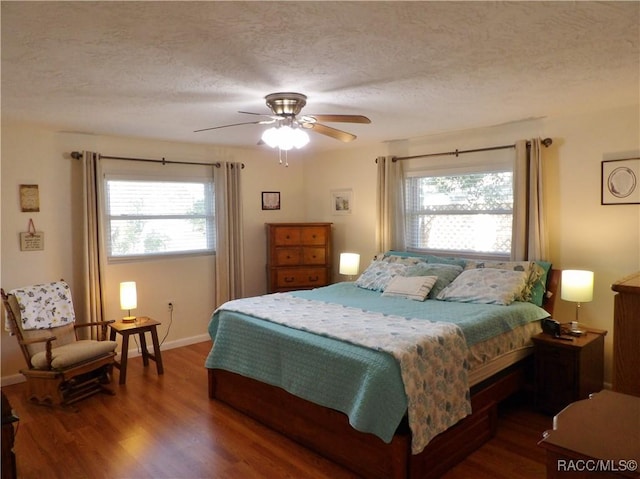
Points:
[[270, 200], [29, 198], [620, 182], [341, 202]]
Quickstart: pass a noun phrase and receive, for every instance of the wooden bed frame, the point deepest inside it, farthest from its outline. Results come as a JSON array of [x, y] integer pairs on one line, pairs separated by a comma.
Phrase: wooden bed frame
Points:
[[328, 432]]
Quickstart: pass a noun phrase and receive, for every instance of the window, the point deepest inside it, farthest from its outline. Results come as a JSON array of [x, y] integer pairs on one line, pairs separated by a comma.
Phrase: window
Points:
[[152, 217], [469, 213]]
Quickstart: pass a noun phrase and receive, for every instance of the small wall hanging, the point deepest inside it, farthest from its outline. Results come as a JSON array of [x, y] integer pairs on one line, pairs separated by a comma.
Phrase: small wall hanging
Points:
[[32, 240], [270, 200], [341, 202], [29, 198], [620, 182]]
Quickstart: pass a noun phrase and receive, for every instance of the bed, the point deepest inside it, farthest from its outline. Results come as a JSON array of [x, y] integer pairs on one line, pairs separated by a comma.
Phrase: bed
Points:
[[295, 362]]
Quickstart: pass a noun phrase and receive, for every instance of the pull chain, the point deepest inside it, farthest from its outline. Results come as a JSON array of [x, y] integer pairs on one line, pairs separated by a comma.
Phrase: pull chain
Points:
[[286, 157]]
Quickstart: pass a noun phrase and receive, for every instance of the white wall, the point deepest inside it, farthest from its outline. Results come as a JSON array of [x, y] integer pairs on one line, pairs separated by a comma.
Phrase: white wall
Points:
[[34, 155], [353, 169], [583, 234]]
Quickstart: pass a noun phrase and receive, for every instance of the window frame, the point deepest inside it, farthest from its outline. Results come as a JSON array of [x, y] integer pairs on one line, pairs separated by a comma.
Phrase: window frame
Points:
[[164, 177], [471, 167]]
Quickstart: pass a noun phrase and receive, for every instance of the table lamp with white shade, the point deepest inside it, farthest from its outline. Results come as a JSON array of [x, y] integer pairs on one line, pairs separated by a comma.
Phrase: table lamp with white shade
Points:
[[577, 286], [128, 299], [349, 264]]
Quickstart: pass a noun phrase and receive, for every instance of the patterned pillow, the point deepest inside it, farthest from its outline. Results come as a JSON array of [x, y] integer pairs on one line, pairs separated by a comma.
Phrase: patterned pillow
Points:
[[486, 285], [411, 259], [378, 274], [445, 273], [534, 273], [396, 257], [410, 287], [446, 260]]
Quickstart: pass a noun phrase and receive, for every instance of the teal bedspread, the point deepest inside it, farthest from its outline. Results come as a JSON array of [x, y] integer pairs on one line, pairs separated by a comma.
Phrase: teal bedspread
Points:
[[364, 384]]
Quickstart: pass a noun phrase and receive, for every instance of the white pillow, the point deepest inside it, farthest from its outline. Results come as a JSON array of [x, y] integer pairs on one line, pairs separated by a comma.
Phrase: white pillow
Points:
[[486, 285], [410, 287]]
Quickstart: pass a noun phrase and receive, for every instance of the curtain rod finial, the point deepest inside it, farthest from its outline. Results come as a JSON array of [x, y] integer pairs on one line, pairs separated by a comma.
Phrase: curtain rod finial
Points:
[[547, 142]]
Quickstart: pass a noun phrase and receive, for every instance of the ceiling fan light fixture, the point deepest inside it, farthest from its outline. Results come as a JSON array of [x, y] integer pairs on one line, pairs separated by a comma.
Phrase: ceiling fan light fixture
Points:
[[285, 137]]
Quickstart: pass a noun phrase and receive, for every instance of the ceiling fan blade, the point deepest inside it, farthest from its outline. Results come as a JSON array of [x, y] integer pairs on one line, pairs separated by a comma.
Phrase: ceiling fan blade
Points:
[[328, 131], [272, 116], [340, 118], [263, 122]]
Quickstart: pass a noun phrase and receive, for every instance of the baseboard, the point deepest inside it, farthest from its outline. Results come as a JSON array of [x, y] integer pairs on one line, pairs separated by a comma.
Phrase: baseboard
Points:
[[178, 343], [13, 379]]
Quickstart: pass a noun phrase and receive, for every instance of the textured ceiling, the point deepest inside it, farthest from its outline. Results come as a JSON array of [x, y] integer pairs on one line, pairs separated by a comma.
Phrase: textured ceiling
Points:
[[164, 69]]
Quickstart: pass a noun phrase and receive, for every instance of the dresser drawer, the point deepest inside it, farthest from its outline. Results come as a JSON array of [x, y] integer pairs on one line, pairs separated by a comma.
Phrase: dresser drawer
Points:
[[287, 235], [314, 255], [293, 278], [287, 256], [314, 235]]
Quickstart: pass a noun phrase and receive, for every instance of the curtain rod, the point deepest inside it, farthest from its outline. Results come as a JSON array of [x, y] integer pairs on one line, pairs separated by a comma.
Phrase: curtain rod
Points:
[[545, 142], [77, 155]]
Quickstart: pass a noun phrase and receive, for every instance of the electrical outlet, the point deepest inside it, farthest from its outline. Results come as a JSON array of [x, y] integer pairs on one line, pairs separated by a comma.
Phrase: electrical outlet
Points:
[[170, 306]]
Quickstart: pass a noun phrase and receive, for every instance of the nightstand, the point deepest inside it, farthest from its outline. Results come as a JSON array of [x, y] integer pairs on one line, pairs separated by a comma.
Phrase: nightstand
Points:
[[140, 327], [567, 370]]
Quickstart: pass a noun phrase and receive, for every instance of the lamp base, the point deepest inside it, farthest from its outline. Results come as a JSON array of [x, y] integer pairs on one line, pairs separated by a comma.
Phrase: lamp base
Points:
[[129, 319]]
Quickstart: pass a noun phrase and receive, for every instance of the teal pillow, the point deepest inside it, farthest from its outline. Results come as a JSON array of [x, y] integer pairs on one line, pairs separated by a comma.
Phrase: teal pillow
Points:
[[442, 260], [446, 273], [540, 287]]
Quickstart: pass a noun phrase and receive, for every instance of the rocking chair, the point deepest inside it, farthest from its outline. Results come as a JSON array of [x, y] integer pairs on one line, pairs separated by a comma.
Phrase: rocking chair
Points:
[[61, 368]]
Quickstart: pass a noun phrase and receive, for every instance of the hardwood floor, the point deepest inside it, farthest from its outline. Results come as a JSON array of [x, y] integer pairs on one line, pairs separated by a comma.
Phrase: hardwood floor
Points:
[[166, 427]]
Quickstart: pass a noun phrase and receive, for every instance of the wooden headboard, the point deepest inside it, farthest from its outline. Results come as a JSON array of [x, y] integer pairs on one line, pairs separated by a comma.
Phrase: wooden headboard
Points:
[[553, 285]]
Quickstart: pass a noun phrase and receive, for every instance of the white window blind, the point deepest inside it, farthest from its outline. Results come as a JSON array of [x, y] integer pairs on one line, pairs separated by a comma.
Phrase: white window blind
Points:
[[151, 217], [468, 212]]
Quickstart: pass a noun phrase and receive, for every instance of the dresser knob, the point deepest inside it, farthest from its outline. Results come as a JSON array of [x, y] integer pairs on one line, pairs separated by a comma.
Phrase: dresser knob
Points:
[[316, 278], [289, 280]]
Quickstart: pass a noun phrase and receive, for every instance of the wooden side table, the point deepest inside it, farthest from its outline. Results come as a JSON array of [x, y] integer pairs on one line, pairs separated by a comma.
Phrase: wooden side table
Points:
[[567, 370], [140, 327]]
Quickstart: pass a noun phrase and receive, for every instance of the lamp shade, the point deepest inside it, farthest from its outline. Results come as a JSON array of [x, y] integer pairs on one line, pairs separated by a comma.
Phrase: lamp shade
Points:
[[577, 285], [285, 137], [128, 295], [349, 263]]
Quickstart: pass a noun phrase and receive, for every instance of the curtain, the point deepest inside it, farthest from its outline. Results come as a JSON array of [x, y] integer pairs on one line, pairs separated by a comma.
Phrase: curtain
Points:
[[390, 232], [91, 258], [529, 237], [229, 237]]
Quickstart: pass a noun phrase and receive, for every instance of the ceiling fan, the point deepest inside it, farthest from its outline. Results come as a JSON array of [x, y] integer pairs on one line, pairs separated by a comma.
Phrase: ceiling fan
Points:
[[285, 110]]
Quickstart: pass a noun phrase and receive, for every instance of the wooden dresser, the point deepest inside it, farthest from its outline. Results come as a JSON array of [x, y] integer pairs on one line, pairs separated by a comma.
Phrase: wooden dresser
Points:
[[595, 438], [298, 256], [626, 335]]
